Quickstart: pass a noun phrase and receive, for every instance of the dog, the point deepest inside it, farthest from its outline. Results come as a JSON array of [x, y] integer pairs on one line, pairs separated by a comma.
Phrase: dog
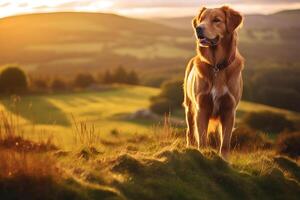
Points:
[[213, 82]]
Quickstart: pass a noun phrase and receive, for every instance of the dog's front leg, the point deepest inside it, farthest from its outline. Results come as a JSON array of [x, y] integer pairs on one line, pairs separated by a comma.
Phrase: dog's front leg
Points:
[[227, 125], [227, 119], [202, 119]]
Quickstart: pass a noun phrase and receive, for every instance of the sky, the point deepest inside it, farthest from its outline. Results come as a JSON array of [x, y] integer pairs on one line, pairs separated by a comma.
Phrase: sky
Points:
[[142, 8]]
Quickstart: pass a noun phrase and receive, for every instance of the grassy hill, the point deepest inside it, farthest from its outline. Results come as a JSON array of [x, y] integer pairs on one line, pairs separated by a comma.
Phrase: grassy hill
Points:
[[46, 43], [147, 168], [77, 41]]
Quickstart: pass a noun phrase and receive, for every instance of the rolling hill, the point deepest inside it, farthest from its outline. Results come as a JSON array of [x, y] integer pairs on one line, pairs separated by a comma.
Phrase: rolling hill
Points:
[[279, 20], [263, 38], [79, 41], [67, 43]]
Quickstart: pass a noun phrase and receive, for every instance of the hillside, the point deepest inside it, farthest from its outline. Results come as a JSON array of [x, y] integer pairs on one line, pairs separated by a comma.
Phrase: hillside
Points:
[[279, 20], [47, 43], [263, 38], [108, 110], [78, 41], [149, 169]]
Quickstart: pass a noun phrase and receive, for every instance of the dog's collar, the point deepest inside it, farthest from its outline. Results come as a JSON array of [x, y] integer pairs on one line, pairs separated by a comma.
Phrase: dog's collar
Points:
[[223, 65], [220, 66]]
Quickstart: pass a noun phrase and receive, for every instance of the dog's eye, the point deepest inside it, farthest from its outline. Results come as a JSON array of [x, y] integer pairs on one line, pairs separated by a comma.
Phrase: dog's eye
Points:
[[216, 20]]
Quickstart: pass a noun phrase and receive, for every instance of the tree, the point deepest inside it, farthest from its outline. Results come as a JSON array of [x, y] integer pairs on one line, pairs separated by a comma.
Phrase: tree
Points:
[[58, 85], [107, 77], [83, 80], [13, 80], [132, 78], [120, 75]]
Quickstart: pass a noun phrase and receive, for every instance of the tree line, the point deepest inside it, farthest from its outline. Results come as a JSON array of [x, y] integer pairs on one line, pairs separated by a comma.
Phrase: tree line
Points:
[[13, 80]]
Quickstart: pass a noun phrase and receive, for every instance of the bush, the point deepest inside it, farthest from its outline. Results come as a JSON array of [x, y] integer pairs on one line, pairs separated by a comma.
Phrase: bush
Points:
[[268, 86], [13, 81], [243, 139], [268, 122], [170, 98], [290, 101], [173, 91], [289, 144], [83, 80], [58, 85], [160, 105]]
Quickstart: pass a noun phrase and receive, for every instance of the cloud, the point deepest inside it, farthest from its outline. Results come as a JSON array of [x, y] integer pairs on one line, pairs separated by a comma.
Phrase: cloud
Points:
[[5, 4], [190, 3], [140, 7]]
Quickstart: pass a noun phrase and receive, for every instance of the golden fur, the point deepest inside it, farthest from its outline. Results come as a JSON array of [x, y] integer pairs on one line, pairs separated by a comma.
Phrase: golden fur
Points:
[[212, 93]]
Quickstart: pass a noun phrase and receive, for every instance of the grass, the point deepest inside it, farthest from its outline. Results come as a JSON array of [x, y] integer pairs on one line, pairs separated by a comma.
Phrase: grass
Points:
[[106, 110], [149, 166], [155, 51], [53, 113]]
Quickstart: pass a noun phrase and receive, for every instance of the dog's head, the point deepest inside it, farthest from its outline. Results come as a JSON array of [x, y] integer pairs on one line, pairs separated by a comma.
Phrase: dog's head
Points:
[[212, 25]]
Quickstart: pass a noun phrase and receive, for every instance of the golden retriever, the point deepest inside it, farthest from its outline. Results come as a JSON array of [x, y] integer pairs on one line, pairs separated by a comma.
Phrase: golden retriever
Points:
[[213, 80]]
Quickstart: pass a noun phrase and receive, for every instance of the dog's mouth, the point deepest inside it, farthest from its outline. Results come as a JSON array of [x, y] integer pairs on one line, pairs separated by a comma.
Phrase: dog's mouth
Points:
[[206, 42]]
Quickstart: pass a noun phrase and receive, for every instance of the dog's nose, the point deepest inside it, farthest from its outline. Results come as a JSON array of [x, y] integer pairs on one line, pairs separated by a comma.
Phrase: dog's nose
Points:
[[200, 32]]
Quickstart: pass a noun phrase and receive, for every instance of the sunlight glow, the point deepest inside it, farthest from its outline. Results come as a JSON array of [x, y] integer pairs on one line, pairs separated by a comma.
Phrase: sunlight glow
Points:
[[135, 8]]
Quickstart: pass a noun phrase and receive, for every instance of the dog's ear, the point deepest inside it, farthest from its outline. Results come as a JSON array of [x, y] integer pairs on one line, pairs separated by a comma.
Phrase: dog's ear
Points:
[[233, 18], [194, 21]]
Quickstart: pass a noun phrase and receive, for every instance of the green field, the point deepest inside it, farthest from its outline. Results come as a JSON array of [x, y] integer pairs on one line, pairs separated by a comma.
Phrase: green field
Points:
[[138, 161], [107, 110]]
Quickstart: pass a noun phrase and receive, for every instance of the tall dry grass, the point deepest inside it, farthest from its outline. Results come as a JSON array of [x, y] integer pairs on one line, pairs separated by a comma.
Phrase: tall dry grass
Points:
[[15, 164], [12, 136], [85, 134], [20, 156]]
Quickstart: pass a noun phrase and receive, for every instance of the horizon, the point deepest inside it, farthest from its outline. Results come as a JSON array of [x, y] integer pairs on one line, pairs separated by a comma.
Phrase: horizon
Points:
[[140, 9]]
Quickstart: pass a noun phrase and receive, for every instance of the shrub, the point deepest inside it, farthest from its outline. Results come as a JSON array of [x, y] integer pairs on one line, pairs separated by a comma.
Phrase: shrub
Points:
[[268, 122], [291, 100], [13, 80], [58, 85], [289, 144], [243, 139], [160, 105], [170, 98], [173, 91], [83, 80]]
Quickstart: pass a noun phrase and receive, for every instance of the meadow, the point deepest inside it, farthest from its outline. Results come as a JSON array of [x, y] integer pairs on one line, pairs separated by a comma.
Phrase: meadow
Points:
[[108, 110]]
